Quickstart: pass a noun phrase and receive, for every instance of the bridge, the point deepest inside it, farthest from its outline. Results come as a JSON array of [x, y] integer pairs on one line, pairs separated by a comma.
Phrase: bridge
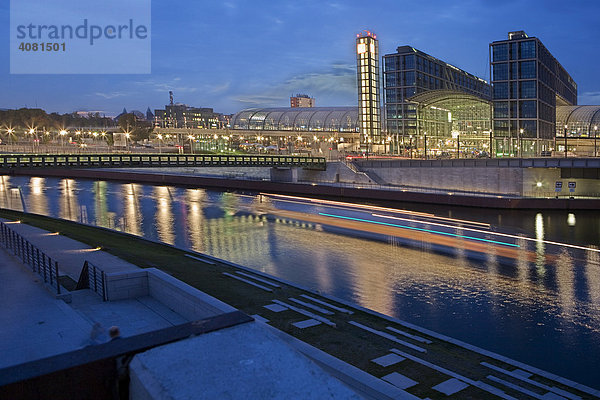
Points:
[[32, 161]]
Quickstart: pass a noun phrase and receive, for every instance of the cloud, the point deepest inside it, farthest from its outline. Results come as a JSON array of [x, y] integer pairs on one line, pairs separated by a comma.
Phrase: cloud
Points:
[[337, 81], [591, 98], [174, 84], [110, 95]]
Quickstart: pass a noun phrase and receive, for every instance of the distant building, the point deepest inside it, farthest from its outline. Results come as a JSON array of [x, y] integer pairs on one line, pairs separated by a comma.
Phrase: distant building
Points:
[[183, 116], [369, 113], [302, 100], [528, 85]]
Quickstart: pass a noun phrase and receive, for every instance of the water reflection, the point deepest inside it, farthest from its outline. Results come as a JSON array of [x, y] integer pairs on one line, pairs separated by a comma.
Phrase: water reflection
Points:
[[519, 309], [132, 218], [164, 214]]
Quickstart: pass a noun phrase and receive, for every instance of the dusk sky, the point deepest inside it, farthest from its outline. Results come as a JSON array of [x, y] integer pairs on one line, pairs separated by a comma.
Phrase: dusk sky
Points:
[[239, 54]]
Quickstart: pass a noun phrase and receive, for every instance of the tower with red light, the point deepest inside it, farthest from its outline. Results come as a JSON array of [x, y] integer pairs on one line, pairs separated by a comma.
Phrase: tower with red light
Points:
[[369, 114]]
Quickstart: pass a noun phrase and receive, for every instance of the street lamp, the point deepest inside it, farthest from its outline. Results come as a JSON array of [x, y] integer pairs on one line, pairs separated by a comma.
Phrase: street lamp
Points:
[[127, 135], [62, 134], [566, 126], [160, 137], [595, 134], [191, 137], [519, 142], [425, 143]]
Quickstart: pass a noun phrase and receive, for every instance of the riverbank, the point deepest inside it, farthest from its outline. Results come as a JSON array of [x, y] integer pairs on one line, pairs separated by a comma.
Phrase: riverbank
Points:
[[340, 191], [347, 339]]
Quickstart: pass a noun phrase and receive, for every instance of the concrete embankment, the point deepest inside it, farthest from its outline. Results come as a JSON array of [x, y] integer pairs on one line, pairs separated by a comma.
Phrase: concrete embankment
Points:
[[324, 188]]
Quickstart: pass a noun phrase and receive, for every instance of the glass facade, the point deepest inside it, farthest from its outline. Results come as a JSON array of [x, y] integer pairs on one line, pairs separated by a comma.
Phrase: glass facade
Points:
[[528, 84], [369, 115], [319, 119], [408, 73]]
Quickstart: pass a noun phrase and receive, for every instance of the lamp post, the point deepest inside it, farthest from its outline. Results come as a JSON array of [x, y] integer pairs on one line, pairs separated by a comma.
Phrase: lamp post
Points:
[[127, 135], [410, 146], [458, 145], [566, 140], [519, 142], [425, 143], [191, 137], [159, 136], [595, 134]]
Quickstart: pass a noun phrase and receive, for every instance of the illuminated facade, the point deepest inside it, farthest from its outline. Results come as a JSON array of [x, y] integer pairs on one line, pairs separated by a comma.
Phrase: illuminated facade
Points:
[[183, 116], [369, 115], [302, 100], [528, 84], [432, 107], [313, 119]]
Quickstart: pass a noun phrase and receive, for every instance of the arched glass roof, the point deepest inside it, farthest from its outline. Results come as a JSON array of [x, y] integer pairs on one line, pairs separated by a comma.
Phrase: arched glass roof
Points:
[[435, 96], [579, 119], [328, 119]]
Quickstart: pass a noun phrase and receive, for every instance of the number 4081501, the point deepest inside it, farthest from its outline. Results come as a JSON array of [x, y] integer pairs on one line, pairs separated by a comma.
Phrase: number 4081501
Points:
[[26, 46]]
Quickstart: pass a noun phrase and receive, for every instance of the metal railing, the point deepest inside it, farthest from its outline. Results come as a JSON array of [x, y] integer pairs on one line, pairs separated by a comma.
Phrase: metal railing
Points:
[[40, 262], [14, 161], [92, 278]]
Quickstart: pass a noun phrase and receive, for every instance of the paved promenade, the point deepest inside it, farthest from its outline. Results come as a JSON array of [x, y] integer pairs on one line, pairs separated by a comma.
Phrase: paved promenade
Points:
[[36, 325]]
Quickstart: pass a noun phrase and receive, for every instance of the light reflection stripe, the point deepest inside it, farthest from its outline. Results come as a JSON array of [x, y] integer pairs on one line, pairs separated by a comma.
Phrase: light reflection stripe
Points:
[[375, 208], [498, 234], [421, 229]]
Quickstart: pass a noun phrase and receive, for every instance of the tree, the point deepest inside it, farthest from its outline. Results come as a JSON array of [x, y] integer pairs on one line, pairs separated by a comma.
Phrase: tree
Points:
[[138, 130]]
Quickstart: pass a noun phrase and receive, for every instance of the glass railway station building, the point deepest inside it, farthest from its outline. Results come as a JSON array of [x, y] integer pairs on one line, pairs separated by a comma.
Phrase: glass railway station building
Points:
[[430, 108]]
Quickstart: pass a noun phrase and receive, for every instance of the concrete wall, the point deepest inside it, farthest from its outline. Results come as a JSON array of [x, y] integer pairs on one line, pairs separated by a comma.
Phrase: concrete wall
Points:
[[471, 179], [336, 172], [187, 301], [126, 285], [180, 297], [504, 180]]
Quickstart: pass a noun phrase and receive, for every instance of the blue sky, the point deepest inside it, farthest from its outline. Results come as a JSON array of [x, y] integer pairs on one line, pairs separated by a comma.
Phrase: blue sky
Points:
[[237, 54]]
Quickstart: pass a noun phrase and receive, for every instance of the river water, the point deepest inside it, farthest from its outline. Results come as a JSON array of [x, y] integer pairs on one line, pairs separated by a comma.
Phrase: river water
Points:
[[546, 314]]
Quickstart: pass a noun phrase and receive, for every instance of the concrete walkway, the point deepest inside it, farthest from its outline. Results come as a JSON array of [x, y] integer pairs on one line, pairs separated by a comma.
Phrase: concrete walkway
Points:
[[69, 253], [36, 325]]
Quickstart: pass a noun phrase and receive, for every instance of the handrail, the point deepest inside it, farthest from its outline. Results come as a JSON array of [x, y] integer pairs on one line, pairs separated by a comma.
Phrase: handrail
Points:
[[92, 278], [150, 160], [40, 262]]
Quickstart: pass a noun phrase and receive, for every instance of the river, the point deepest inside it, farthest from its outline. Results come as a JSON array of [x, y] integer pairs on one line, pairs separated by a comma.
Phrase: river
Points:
[[546, 314]]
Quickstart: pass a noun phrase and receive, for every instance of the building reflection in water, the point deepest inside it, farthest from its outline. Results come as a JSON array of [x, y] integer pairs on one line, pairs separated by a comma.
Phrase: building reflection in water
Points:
[[194, 199], [37, 202], [540, 247], [5, 199], [132, 218], [565, 281], [68, 206], [163, 219], [102, 216], [593, 275]]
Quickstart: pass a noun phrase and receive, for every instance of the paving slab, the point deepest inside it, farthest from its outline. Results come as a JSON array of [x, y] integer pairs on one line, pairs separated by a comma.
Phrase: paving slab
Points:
[[246, 362], [552, 396], [275, 307], [399, 380], [307, 323], [520, 372], [388, 359], [450, 386]]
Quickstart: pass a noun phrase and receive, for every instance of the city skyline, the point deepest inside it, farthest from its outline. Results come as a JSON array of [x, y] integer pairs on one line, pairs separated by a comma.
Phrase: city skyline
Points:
[[235, 55]]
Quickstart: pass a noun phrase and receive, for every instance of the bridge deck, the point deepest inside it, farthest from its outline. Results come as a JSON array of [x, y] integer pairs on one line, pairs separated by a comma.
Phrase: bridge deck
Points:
[[145, 160]]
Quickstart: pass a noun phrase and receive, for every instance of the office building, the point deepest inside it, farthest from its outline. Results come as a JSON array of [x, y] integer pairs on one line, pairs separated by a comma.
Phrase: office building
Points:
[[302, 100], [528, 84], [183, 116], [369, 114], [433, 107]]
